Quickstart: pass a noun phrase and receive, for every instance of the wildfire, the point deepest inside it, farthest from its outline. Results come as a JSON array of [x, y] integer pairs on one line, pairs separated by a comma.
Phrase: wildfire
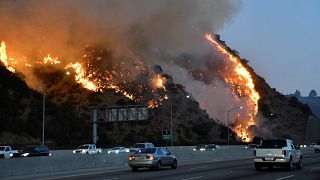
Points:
[[159, 82], [82, 78], [242, 85], [114, 76], [4, 58], [50, 60]]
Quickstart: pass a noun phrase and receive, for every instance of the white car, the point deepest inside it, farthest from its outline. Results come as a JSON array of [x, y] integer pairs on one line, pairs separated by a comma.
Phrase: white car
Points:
[[6, 152], [118, 150], [87, 149]]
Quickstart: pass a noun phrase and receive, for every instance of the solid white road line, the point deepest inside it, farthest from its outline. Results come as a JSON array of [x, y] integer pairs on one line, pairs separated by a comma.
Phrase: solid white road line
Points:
[[192, 178], [286, 177]]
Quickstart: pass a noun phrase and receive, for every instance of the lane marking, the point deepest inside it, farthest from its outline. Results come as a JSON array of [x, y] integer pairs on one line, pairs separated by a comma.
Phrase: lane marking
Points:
[[200, 167], [286, 177], [192, 178], [78, 175]]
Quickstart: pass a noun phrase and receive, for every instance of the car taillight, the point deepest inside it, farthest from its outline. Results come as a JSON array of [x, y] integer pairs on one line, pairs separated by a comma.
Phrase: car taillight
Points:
[[284, 152], [149, 157], [131, 158], [254, 153]]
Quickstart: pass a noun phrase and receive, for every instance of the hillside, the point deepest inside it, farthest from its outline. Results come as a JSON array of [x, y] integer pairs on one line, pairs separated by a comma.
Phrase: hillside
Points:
[[279, 116], [68, 116], [313, 103]]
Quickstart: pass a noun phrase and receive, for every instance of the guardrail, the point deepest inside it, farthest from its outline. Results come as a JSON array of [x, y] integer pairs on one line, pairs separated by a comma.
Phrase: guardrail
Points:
[[64, 160]]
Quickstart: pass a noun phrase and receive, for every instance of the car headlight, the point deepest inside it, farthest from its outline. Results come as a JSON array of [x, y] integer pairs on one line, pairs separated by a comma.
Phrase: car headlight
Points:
[[83, 151], [194, 149], [109, 152], [11, 154], [74, 151], [117, 151], [25, 154], [202, 149], [127, 150], [50, 154]]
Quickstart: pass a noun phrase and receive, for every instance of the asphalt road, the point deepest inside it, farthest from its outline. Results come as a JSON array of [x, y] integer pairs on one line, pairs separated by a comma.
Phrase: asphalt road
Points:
[[235, 169]]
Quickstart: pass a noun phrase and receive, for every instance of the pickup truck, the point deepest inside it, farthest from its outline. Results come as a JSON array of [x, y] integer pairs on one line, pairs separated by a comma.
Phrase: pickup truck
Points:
[[87, 149], [277, 152], [6, 152]]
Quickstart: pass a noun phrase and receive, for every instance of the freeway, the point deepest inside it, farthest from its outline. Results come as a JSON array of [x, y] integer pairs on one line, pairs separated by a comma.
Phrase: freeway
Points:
[[232, 169]]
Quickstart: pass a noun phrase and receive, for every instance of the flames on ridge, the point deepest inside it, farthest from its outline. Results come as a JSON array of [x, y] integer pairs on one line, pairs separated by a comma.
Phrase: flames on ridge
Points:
[[242, 85], [96, 71], [116, 76]]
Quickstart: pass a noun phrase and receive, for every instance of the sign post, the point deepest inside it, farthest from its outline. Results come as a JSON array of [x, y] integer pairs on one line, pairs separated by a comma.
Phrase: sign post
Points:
[[166, 135]]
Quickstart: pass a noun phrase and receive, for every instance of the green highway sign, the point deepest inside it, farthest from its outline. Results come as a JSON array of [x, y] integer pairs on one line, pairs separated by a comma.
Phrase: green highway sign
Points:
[[166, 135]]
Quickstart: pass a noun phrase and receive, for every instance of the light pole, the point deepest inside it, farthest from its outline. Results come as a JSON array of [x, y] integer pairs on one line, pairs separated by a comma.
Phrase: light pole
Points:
[[43, 111], [228, 121], [171, 124]]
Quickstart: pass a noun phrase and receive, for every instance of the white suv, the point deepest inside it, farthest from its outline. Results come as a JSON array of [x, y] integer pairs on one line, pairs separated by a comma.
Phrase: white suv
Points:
[[138, 146]]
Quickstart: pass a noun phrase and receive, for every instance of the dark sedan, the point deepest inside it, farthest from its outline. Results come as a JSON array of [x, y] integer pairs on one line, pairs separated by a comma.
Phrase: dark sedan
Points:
[[153, 158], [33, 151]]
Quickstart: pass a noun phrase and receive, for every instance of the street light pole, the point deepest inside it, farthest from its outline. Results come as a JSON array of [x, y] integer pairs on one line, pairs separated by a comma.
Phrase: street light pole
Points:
[[43, 112], [171, 124], [228, 121]]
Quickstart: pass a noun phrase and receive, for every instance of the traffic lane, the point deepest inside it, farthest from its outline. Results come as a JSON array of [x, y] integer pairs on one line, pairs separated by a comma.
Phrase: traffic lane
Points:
[[243, 169], [311, 170], [183, 171]]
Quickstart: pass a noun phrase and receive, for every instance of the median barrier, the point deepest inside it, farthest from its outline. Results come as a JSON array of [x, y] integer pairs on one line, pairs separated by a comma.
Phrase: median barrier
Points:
[[64, 160]]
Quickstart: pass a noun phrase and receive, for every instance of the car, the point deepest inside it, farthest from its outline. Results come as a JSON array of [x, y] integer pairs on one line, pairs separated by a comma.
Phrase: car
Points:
[[118, 150], [30, 151], [317, 147], [206, 147], [152, 158], [138, 146], [277, 152], [6, 152]]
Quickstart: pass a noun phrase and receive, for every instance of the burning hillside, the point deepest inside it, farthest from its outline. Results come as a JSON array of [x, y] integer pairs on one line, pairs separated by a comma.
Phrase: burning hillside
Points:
[[101, 53], [136, 49], [97, 70]]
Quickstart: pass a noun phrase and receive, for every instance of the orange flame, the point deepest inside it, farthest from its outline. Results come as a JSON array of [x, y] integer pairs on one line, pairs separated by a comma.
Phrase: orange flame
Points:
[[50, 60], [159, 82], [4, 58], [115, 78], [242, 83]]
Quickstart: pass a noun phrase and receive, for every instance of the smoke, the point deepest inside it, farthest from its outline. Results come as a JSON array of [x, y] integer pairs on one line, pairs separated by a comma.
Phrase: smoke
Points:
[[140, 29], [216, 98], [65, 27]]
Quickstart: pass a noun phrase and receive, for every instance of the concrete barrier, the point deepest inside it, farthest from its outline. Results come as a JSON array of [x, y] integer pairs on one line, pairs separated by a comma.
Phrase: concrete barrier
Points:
[[64, 160]]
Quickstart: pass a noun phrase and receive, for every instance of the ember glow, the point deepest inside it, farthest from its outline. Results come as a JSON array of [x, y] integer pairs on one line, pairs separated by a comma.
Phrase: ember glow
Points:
[[242, 85]]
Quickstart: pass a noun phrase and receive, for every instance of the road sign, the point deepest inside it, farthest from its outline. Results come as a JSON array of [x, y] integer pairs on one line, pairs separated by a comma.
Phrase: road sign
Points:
[[166, 135]]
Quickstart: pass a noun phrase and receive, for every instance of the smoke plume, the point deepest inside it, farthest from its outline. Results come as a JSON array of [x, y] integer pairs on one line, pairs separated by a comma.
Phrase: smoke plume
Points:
[[65, 27], [139, 29]]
